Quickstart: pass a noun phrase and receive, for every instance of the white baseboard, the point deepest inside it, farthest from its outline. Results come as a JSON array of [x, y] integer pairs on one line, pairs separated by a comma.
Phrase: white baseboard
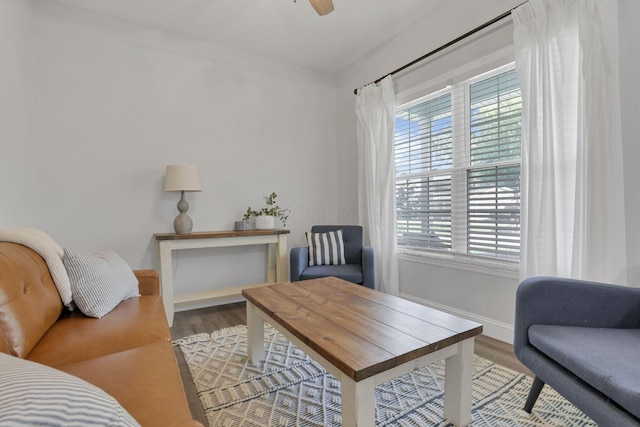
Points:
[[197, 305], [490, 327]]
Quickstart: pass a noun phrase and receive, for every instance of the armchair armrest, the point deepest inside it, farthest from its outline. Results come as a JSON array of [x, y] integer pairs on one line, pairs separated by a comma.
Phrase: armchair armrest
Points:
[[368, 268], [570, 302], [298, 261], [148, 282]]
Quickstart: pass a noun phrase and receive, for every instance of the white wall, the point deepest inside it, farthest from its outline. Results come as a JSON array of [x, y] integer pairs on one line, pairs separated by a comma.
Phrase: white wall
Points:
[[117, 102], [18, 171], [479, 294]]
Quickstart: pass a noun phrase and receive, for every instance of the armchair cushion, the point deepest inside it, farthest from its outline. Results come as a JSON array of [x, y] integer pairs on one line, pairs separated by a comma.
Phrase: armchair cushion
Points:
[[326, 248], [581, 338], [349, 272], [606, 359]]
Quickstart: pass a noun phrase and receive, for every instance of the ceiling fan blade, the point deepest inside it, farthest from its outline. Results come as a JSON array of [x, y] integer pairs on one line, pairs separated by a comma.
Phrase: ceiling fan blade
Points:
[[322, 6]]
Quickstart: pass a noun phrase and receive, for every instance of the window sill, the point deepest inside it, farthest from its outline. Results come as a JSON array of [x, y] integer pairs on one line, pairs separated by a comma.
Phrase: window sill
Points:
[[500, 268]]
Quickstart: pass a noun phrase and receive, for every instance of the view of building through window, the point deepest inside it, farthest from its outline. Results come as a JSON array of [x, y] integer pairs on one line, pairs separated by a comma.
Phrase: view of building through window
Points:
[[457, 163]]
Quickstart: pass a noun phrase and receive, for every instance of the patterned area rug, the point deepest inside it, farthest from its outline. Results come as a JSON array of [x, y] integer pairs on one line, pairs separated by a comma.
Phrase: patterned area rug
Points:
[[290, 389]]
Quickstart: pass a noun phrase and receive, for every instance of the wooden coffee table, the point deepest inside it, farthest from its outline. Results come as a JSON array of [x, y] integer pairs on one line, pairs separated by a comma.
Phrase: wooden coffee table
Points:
[[366, 338]]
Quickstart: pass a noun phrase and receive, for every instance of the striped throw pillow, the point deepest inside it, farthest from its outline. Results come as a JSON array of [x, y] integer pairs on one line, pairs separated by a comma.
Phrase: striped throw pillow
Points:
[[99, 281], [32, 394], [326, 248]]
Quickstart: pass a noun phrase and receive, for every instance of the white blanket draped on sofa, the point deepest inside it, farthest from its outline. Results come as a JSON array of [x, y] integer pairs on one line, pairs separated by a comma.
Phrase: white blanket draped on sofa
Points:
[[48, 249]]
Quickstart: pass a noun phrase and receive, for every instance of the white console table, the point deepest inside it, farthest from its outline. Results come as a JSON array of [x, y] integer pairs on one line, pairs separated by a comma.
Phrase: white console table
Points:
[[276, 271]]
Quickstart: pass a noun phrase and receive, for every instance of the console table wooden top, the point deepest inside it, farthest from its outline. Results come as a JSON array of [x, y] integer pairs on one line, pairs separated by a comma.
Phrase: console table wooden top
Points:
[[217, 234]]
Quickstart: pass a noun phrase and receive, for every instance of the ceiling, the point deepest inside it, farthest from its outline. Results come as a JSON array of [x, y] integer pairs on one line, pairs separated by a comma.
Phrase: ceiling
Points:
[[282, 29]]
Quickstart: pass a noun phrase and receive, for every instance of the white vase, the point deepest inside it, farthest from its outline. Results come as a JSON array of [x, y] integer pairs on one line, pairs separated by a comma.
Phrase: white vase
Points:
[[265, 222]]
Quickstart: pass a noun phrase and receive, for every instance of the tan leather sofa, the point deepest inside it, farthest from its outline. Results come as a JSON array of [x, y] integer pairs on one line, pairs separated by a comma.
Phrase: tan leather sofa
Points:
[[127, 353]]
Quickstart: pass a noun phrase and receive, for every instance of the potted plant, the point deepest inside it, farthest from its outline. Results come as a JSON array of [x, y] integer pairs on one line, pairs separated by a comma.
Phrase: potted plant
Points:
[[265, 218]]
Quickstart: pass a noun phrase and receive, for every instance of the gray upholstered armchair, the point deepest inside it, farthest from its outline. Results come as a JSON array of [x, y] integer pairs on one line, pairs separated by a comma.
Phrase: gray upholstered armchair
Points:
[[583, 339], [358, 269]]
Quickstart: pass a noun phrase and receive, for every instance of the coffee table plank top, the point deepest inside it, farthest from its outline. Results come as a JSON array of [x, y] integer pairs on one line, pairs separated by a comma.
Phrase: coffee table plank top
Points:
[[430, 315], [359, 317], [360, 331], [311, 330]]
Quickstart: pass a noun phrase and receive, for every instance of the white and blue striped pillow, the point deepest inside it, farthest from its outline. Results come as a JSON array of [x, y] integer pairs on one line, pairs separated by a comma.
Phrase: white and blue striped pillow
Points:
[[32, 394], [99, 281], [326, 248]]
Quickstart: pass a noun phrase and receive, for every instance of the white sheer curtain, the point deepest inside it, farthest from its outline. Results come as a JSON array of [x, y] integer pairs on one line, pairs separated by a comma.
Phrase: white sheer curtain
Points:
[[375, 109], [573, 221]]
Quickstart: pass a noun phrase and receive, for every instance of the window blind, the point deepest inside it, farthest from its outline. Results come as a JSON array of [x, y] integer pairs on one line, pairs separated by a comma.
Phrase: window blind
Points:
[[457, 160]]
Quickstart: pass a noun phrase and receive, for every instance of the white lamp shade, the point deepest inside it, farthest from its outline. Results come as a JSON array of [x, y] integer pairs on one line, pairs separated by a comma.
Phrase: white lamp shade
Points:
[[182, 178]]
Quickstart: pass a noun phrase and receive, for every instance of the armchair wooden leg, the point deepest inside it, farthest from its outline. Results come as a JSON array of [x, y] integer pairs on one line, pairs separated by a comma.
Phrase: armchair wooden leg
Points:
[[536, 388]]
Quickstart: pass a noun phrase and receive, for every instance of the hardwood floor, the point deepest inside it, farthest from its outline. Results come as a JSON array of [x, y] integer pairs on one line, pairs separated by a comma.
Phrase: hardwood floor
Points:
[[209, 319]]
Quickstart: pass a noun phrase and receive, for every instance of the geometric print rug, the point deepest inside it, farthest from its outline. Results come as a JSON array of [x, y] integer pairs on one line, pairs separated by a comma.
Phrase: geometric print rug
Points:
[[289, 389]]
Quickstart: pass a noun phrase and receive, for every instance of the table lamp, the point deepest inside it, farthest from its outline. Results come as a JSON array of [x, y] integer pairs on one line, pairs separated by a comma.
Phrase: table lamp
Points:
[[182, 178]]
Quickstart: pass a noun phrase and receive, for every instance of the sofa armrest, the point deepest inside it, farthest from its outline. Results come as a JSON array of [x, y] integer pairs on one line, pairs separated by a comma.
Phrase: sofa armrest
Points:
[[298, 261], [148, 282], [368, 268], [570, 302]]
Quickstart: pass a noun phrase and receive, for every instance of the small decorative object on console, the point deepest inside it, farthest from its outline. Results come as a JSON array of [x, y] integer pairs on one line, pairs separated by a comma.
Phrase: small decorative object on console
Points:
[[240, 226], [265, 217]]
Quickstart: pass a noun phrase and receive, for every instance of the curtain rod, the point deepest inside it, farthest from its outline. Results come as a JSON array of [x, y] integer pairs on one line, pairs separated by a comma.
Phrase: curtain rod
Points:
[[446, 45]]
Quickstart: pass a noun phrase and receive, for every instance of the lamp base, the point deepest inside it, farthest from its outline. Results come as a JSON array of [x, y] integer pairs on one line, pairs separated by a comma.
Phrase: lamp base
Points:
[[183, 224]]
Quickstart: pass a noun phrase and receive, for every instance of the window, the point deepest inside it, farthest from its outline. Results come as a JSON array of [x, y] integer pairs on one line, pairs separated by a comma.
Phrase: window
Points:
[[457, 165]]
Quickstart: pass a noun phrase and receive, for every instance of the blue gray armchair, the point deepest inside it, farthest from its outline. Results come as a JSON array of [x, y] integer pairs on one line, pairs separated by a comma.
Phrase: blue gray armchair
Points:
[[358, 269], [583, 339]]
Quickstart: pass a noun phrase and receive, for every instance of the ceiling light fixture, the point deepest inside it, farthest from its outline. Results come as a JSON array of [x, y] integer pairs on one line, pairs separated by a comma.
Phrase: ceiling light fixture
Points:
[[322, 7]]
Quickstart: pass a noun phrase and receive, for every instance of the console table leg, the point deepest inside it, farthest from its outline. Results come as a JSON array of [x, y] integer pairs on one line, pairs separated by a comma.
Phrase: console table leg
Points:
[[255, 334], [271, 263], [166, 278], [282, 272], [457, 384]]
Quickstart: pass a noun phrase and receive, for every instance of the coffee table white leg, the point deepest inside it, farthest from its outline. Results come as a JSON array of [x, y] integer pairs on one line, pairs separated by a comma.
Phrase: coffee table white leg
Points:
[[457, 384], [358, 402], [255, 334]]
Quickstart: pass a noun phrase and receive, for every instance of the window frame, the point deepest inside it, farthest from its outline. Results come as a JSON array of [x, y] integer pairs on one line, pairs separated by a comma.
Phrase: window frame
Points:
[[507, 267]]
